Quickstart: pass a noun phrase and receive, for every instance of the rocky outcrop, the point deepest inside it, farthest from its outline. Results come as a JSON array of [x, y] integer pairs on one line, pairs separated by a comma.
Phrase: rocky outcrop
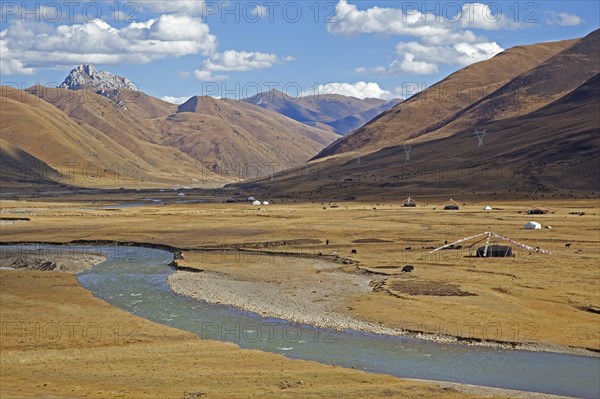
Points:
[[86, 76], [50, 260]]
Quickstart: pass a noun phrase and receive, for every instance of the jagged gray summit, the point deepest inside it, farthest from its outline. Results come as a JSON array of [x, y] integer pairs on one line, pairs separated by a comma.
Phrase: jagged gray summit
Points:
[[86, 76]]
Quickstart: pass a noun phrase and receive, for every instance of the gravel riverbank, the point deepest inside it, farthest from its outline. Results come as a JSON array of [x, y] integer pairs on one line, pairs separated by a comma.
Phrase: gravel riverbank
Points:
[[50, 260], [316, 294], [316, 301]]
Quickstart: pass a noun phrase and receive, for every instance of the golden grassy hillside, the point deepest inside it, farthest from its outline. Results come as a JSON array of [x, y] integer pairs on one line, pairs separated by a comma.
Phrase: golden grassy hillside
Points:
[[136, 124], [241, 135], [459, 90], [78, 154], [218, 141], [550, 146], [528, 92]]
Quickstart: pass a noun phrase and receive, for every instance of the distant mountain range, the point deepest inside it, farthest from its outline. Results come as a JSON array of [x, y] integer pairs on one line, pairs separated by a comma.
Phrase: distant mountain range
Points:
[[526, 120], [98, 120], [340, 114], [119, 137]]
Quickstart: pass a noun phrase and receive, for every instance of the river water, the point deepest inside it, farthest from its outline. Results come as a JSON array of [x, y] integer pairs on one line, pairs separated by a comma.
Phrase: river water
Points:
[[134, 279]]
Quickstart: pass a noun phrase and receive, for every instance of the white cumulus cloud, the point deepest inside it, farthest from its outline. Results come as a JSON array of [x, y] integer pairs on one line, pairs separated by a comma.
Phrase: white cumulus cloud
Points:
[[439, 39], [359, 90], [459, 53], [240, 61], [485, 16], [28, 44], [419, 58], [208, 76], [410, 65], [34, 45], [563, 19], [259, 10], [349, 20], [9, 65], [175, 100], [236, 61]]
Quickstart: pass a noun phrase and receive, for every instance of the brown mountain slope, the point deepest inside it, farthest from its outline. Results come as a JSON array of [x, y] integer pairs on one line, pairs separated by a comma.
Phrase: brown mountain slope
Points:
[[33, 130], [132, 128], [17, 165], [241, 138], [140, 103], [236, 111], [126, 119], [550, 151], [332, 112], [218, 142], [410, 118], [529, 91]]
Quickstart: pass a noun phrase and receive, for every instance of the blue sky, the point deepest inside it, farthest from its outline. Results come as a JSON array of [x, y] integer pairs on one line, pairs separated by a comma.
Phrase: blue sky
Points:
[[176, 49]]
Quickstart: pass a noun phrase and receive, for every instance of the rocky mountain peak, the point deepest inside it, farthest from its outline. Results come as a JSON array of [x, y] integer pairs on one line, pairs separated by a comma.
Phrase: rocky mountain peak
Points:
[[85, 75]]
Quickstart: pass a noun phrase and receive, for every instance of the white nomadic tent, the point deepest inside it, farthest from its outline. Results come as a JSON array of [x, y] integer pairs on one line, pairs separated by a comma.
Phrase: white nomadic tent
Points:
[[265, 202], [256, 203], [532, 226], [487, 208]]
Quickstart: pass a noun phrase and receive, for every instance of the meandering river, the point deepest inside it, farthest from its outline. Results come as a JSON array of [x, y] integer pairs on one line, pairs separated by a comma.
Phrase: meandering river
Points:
[[134, 279]]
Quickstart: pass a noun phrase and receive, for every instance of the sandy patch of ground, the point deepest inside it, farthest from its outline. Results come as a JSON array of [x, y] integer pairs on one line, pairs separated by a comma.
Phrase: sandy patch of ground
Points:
[[50, 260], [429, 287]]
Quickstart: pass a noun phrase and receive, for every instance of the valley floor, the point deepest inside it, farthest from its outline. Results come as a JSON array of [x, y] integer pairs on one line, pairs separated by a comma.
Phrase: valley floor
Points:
[[549, 300]]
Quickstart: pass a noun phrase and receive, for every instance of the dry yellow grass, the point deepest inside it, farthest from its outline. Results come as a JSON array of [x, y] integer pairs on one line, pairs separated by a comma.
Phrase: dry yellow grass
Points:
[[529, 298], [59, 341]]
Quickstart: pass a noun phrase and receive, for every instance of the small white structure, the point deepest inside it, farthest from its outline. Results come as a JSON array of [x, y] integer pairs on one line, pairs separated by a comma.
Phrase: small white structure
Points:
[[532, 226], [265, 202], [251, 199], [487, 208], [256, 203], [181, 194]]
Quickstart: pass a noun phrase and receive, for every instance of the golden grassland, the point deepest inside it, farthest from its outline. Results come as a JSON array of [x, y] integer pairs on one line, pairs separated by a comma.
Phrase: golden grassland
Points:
[[531, 297], [59, 341], [547, 299]]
